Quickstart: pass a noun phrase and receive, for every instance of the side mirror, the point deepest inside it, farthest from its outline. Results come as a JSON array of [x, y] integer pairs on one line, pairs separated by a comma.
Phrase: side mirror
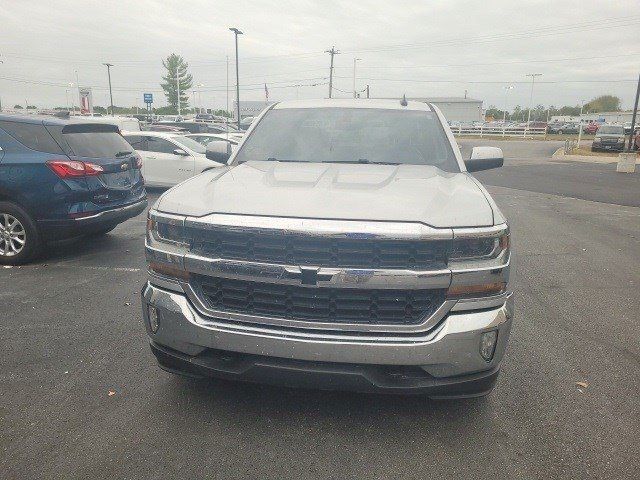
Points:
[[181, 152], [484, 158], [218, 151]]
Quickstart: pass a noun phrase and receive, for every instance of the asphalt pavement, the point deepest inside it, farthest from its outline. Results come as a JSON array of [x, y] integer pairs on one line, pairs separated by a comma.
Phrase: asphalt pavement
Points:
[[81, 396]]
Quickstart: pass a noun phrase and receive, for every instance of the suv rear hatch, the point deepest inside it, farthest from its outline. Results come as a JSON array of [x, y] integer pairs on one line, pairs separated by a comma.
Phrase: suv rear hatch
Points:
[[118, 179]]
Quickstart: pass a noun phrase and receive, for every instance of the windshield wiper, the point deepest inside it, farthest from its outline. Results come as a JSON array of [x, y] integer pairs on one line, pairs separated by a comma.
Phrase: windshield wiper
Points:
[[123, 154]]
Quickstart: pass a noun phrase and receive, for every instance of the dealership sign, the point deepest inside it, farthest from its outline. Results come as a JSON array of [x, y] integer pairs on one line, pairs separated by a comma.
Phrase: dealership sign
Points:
[[86, 100]]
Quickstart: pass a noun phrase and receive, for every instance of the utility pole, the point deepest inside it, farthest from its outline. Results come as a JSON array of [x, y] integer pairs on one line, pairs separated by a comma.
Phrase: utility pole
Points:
[[78, 87], [367, 91], [109, 65], [533, 81], [236, 33], [227, 110], [633, 117], [354, 76], [331, 52]]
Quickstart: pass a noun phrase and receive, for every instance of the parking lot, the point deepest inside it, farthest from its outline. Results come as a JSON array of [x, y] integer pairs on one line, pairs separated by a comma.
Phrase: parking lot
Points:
[[82, 397]]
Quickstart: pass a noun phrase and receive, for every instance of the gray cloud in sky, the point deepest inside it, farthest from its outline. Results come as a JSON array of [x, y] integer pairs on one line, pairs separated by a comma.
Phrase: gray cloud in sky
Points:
[[436, 48]]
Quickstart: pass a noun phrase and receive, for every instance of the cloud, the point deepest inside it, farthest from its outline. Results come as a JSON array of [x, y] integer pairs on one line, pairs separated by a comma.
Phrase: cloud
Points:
[[418, 48]]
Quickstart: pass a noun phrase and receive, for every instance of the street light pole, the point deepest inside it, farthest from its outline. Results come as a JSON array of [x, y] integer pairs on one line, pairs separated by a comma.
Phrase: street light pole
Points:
[[580, 123], [236, 33], [504, 114], [109, 65], [533, 80], [73, 102], [633, 117], [354, 76]]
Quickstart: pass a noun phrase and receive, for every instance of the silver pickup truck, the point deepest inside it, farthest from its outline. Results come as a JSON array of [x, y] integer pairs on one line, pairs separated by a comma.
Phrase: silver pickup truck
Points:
[[344, 246]]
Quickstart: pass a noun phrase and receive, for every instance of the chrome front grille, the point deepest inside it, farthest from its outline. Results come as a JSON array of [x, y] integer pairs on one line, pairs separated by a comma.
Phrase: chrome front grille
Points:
[[296, 249], [311, 304]]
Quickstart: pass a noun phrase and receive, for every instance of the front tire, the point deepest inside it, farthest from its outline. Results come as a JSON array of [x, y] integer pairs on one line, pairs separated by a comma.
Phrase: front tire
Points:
[[19, 238]]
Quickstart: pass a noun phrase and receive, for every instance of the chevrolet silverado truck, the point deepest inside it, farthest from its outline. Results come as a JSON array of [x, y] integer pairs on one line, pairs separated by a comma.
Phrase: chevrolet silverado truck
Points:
[[344, 245]]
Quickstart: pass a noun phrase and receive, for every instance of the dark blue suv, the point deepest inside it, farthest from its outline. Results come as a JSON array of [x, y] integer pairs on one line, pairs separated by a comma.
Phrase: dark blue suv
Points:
[[62, 178]]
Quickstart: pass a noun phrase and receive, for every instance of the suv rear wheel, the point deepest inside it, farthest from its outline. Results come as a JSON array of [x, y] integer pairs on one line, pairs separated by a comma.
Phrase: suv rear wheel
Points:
[[19, 239]]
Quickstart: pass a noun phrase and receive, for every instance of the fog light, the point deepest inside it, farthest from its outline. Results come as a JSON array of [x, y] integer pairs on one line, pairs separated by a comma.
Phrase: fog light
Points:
[[154, 318], [488, 342]]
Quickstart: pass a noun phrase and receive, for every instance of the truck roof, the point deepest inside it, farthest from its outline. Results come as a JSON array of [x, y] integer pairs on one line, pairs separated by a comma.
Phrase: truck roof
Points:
[[353, 103]]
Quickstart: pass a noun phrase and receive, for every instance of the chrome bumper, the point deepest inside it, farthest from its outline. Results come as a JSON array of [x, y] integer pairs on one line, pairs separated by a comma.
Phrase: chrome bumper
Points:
[[449, 349]]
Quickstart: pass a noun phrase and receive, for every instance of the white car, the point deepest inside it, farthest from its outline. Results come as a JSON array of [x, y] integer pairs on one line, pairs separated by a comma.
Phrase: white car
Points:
[[169, 158], [206, 138]]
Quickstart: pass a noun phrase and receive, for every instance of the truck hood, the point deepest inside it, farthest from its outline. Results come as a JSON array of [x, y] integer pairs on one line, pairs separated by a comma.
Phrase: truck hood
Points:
[[400, 193]]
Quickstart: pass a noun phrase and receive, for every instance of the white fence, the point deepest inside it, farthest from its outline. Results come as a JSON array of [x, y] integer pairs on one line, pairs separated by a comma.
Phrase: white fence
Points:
[[489, 131]]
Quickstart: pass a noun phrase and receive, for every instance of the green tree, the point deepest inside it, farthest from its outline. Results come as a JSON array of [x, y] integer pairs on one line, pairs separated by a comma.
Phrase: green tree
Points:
[[176, 68], [99, 109], [604, 103], [18, 107]]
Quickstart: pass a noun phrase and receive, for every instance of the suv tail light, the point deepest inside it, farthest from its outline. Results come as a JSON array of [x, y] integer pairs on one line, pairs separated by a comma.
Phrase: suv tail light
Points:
[[74, 168]]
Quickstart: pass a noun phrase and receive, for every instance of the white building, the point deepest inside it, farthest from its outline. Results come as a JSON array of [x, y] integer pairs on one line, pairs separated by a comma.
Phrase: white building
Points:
[[602, 117]]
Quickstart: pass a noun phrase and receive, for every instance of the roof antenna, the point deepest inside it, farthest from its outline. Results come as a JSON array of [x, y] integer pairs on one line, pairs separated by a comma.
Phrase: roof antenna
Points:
[[404, 102]]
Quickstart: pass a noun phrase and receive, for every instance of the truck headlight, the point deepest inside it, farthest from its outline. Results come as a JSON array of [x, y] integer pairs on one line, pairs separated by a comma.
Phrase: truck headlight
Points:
[[597, 139], [470, 245], [479, 262], [166, 230]]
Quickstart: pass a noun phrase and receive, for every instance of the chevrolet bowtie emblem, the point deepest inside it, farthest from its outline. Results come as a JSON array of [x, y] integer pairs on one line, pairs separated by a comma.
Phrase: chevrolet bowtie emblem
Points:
[[309, 276]]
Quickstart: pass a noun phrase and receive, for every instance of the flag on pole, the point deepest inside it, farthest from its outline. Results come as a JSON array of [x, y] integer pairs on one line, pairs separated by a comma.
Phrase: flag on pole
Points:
[[266, 93]]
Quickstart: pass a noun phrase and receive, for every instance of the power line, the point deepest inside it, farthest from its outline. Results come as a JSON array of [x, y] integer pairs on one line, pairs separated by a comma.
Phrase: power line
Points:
[[549, 60]]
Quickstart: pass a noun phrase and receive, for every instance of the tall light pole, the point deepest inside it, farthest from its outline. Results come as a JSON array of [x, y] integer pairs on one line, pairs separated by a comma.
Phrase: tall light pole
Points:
[[200, 85], [236, 33], [73, 102], [109, 65], [354, 76], [506, 90], [633, 117], [533, 81], [580, 123]]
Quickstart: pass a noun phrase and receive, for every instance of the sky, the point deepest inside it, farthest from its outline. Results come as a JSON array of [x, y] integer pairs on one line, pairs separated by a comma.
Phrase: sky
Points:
[[419, 48]]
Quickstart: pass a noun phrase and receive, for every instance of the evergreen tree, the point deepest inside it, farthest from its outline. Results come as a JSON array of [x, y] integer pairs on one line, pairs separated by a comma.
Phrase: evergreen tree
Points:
[[176, 68]]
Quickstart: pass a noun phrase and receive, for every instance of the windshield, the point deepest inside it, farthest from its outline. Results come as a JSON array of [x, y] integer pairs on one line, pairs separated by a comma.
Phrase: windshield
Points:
[[350, 135], [190, 143], [611, 130]]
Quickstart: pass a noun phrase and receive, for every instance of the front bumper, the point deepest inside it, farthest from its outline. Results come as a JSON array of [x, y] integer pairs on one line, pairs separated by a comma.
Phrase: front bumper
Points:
[[614, 147], [448, 354]]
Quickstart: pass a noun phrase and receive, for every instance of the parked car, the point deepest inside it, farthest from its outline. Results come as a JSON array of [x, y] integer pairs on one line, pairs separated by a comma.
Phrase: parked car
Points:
[[345, 245], [156, 127], [62, 178], [169, 158], [206, 138], [609, 137], [123, 123], [562, 128], [591, 128]]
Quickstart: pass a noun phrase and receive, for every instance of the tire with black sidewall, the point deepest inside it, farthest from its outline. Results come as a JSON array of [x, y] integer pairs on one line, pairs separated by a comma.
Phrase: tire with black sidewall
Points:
[[32, 241]]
